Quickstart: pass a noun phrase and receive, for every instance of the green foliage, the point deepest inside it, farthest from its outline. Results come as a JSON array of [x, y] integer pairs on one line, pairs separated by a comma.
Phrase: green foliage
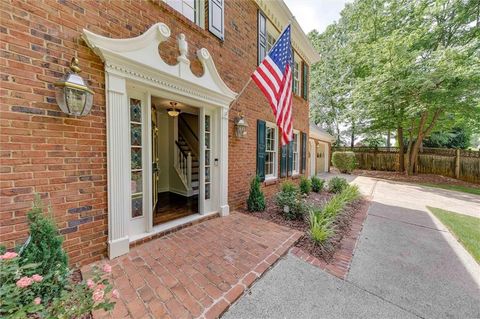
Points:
[[337, 184], [457, 137], [322, 221], [401, 65], [320, 226], [256, 198], [20, 293], [305, 185], [290, 202], [344, 161], [317, 184], [45, 249]]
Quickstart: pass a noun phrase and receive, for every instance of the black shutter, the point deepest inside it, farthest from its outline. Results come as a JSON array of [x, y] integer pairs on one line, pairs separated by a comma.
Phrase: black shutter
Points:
[[293, 71], [262, 36], [290, 158], [304, 152], [215, 18], [261, 149], [283, 161], [305, 81]]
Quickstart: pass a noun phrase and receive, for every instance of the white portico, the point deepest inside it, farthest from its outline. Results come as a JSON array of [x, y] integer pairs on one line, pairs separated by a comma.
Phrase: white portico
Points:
[[134, 72]]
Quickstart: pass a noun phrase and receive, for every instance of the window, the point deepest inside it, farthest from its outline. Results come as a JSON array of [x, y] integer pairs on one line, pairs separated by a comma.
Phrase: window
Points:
[[271, 142], [189, 8], [305, 81], [296, 152], [262, 36], [296, 78], [270, 41], [136, 157]]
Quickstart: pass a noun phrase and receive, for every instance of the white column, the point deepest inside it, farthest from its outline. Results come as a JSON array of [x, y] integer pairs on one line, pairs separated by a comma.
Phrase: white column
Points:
[[118, 165], [223, 158]]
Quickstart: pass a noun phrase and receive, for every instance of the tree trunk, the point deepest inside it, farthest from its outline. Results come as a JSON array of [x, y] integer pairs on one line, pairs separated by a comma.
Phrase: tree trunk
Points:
[[401, 153], [388, 139]]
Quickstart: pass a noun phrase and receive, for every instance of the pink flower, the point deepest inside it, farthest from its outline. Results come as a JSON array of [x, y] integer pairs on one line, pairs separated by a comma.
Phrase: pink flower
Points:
[[90, 283], [37, 300], [98, 295], [107, 268], [24, 282], [115, 294], [37, 278], [8, 255]]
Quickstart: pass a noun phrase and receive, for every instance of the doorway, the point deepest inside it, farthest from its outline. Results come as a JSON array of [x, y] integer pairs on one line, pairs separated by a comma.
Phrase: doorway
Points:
[[175, 160]]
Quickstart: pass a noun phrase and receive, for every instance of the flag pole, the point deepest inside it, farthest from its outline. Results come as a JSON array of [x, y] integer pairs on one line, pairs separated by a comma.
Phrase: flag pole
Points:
[[250, 78]]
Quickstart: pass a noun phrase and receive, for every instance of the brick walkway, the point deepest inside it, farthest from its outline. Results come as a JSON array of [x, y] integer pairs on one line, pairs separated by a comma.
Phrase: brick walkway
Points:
[[198, 271], [340, 264]]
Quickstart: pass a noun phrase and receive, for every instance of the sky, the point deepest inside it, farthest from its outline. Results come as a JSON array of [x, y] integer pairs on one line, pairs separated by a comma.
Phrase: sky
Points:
[[316, 14]]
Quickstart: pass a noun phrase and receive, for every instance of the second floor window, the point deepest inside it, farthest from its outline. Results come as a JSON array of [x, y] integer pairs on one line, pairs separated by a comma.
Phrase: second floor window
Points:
[[189, 8], [270, 41], [296, 78]]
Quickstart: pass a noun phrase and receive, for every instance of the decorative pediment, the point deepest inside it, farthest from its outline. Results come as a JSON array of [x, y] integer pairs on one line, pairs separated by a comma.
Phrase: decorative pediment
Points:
[[139, 58]]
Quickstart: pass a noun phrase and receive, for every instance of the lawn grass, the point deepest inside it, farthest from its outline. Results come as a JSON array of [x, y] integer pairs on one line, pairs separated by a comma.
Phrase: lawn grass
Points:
[[458, 188], [465, 228]]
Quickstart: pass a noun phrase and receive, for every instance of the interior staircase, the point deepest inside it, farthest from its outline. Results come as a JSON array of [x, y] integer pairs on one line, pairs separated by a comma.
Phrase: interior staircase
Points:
[[186, 149]]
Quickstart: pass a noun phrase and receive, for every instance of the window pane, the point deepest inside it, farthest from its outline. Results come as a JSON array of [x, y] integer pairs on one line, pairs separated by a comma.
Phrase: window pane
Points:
[[135, 110], [207, 140], [136, 182], [136, 134], [207, 191], [137, 206], [136, 158], [207, 157]]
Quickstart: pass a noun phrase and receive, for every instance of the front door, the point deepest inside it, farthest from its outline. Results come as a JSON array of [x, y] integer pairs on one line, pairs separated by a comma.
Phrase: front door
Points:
[[155, 158]]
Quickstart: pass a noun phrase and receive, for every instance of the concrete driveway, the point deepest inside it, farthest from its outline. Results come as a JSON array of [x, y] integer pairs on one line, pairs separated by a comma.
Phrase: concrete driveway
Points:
[[406, 265]]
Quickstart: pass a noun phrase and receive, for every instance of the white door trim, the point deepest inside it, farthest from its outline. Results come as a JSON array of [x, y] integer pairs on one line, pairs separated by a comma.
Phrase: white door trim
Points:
[[136, 61]]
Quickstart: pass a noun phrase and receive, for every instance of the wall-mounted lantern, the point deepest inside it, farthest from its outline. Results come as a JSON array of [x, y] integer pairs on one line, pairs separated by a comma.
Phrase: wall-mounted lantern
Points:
[[74, 97], [240, 126]]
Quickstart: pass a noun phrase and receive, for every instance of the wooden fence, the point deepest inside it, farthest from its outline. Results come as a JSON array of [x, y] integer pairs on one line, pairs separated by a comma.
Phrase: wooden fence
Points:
[[460, 164]]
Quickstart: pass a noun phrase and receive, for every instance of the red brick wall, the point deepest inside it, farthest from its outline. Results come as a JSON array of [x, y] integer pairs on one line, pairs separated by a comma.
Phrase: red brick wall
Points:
[[63, 157]]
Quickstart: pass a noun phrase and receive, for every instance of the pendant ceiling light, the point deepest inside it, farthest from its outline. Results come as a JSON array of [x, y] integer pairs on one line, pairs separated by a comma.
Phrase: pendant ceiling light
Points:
[[173, 111]]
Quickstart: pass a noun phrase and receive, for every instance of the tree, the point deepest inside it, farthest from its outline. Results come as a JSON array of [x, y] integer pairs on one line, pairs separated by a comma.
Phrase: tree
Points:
[[415, 67]]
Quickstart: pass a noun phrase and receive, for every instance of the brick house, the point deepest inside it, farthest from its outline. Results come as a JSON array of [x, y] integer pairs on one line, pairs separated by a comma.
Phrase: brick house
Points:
[[158, 149]]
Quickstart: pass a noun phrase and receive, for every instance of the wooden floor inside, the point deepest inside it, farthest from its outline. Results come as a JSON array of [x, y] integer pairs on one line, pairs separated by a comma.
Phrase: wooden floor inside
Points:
[[171, 206]]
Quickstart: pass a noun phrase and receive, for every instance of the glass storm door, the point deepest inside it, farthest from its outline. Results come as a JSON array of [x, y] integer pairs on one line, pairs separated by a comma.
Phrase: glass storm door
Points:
[[209, 163]]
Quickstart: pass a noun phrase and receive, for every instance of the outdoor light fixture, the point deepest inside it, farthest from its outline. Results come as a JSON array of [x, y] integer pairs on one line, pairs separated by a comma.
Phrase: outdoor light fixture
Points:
[[240, 126], [74, 97], [173, 112]]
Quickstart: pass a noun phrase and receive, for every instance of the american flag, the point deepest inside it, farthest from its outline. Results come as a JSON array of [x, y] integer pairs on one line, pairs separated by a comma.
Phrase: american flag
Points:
[[274, 77]]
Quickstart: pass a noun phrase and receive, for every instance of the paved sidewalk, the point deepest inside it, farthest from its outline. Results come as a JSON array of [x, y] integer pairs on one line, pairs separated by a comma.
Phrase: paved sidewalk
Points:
[[406, 265], [197, 271]]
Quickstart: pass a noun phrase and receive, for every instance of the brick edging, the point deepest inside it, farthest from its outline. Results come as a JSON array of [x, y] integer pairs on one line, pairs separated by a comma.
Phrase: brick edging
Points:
[[223, 303]]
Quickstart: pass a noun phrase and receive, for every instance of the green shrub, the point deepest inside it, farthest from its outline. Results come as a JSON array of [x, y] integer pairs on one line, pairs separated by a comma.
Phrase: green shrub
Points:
[[35, 281], [256, 198], [337, 184], [321, 221], [44, 248], [289, 187], [320, 226], [344, 161], [289, 201], [305, 185], [317, 184]]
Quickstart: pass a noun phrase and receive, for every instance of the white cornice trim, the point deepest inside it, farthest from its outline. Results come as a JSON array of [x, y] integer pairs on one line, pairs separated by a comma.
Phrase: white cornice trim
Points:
[[139, 59], [279, 14]]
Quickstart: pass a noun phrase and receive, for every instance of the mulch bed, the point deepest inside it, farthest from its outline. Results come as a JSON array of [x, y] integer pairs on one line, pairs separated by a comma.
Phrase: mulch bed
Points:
[[418, 178], [327, 251]]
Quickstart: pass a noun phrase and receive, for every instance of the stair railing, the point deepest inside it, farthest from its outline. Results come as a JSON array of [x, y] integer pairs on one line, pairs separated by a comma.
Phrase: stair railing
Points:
[[183, 165]]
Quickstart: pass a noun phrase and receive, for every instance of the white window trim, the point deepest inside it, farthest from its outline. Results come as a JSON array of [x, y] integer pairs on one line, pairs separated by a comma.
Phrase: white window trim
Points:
[[275, 151], [199, 14], [296, 77], [296, 167]]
